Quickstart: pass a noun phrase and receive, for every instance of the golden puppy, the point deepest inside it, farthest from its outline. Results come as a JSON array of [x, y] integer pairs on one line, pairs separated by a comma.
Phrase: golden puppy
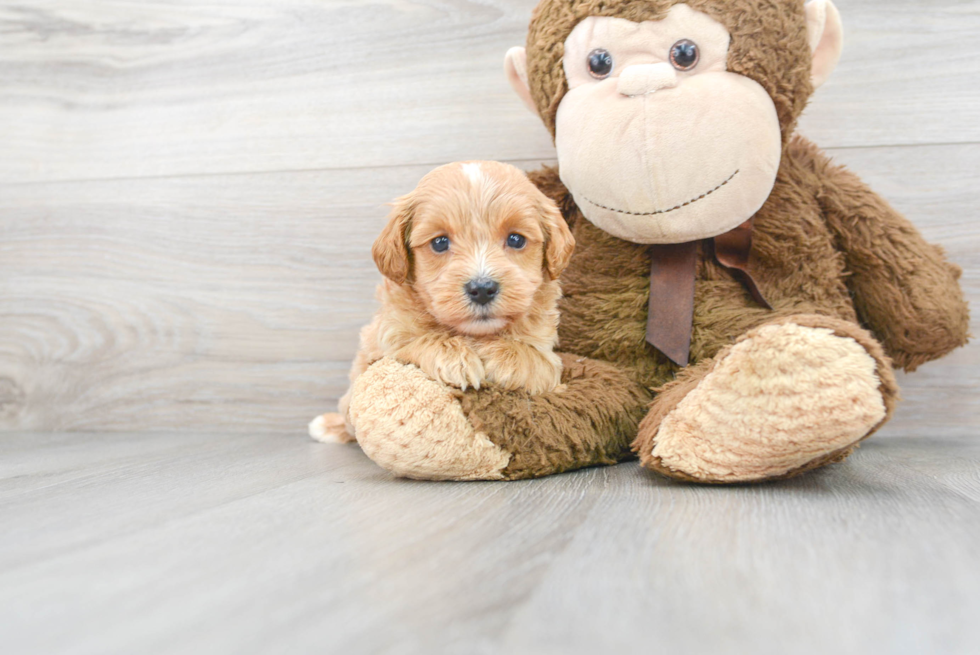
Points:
[[471, 260]]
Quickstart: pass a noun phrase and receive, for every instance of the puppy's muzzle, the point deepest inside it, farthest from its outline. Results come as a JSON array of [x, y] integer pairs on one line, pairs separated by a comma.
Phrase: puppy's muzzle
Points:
[[481, 291]]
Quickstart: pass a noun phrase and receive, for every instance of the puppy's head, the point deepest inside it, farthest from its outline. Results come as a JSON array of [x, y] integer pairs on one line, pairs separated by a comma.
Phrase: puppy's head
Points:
[[476, 241]]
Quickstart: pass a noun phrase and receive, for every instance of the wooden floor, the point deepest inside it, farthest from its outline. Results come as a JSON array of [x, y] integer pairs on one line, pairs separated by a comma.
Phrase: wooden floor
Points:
[[182, 543], [188, 194]]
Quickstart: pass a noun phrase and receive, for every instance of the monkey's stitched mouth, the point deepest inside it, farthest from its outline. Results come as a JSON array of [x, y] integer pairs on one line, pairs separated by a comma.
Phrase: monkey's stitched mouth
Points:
[[666, 211]]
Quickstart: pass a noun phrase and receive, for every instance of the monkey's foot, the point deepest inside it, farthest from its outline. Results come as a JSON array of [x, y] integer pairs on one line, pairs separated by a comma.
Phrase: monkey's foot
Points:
[[414, 427], [788, 397]]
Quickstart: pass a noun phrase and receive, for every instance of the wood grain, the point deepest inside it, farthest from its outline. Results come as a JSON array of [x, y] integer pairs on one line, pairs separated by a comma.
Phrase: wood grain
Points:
[[188, 194], [176, 543], [118, 88], [189, 190]]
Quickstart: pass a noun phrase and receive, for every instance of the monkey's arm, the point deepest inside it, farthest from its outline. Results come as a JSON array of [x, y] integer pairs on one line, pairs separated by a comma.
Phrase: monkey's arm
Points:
[[904, 289], [418, 428]]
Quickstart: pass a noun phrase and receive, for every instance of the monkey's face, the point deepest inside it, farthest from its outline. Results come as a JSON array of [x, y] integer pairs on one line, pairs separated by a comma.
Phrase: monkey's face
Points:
[[656, 140]]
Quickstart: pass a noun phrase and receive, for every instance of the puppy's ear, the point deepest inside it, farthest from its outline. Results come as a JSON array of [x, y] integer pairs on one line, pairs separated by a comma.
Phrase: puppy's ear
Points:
[[559, 242], [390, 250]]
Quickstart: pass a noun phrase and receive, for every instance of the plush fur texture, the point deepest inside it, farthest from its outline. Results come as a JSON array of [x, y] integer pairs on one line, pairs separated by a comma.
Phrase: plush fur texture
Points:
[[887, 279], [414, 427], [418, 428], [845, 274], [784, 395], [653, 154], [769, 45], [589, 420]]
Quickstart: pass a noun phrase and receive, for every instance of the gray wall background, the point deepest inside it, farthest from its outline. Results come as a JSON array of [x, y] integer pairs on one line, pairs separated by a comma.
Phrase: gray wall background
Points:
[[189, 191]]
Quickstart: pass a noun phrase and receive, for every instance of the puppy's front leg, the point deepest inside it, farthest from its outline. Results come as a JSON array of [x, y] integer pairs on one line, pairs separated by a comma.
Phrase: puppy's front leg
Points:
[[516, 365], [447, 359]]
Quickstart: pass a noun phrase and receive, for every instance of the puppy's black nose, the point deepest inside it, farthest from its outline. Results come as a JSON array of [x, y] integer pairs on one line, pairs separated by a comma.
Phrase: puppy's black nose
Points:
[[482, 290]]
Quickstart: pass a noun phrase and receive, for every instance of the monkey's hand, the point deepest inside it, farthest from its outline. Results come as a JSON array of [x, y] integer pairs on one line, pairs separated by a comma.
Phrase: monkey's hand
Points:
[[514, 365], [417, 428], [904, 288]]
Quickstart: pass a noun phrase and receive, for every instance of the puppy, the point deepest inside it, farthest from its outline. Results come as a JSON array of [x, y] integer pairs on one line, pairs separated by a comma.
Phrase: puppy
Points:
[[471, 260]]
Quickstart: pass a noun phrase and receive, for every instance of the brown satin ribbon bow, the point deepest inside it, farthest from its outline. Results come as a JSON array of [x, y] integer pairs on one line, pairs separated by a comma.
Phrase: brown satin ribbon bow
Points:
[[673, 269]]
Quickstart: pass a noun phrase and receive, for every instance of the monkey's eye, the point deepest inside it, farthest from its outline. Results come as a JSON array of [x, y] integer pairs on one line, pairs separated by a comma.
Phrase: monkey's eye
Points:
[[600, 63], [516, 241], [440, 244], [684, 55]]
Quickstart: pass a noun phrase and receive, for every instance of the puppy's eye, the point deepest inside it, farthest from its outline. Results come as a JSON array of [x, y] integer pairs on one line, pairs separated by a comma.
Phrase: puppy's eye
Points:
[[516, 241], [440, 244], [684, 55], [600, 63]]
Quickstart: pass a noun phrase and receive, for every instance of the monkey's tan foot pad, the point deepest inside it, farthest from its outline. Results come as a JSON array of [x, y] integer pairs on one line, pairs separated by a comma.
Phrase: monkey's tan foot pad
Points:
[[784, 399], [415, 428]]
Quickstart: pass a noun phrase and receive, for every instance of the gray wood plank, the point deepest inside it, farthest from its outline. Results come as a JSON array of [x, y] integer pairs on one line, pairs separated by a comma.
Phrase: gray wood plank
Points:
[[886, 91], [223, 282], [232, 303], [116, 88], [250, 544]]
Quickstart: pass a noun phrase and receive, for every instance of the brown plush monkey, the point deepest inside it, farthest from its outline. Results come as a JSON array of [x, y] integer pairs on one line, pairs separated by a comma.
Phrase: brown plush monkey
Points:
[[736, 302]]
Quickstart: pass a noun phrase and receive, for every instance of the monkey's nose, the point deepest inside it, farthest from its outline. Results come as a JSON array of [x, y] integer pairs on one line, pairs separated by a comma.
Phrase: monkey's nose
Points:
[[641, 79], [481, 290]]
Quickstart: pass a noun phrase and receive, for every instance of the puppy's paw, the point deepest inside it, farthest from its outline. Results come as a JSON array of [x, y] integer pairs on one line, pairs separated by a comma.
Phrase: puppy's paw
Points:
[[456, 364], [524, 368], [330, 428]]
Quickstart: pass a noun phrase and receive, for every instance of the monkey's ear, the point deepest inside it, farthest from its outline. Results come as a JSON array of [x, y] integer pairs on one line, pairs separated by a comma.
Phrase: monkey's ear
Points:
[[390, 250], [559, 242], [515, 66], [826, 34]]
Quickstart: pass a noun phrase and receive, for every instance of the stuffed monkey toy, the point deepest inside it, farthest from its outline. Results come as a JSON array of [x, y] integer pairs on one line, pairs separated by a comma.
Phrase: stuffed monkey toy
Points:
[[736, 302]]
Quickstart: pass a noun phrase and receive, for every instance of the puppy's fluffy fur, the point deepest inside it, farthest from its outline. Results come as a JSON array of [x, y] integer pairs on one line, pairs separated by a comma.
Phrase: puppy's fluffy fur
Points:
[[429, 318]]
